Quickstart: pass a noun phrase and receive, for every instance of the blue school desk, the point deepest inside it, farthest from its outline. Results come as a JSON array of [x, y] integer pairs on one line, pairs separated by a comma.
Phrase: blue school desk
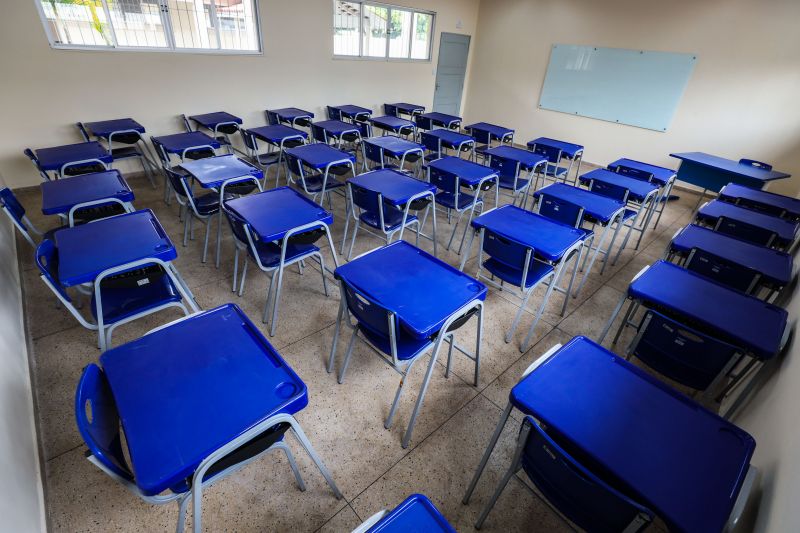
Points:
[[469, 173], [744, 321], [660, 175], [180, 143], [442, 119], [775, 266], [277, 134], [353, 111], [668, 452], [336, 129], [712, 173], [222, 378], [453, 140], [394, 146], [104, 129], [780, 205], [409, 109], [527, 159], [638, 190], [60, 196], [498, 133], [54, 158], [292, 114], [393, 124], [415, 514], [212, 121], [569, 150], [321, 156], [711, 211]]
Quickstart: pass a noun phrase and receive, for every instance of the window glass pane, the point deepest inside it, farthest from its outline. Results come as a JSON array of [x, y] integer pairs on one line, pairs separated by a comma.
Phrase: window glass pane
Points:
[[346, 28], [237, 24], [375, 26], [80, 22], [192, 24], [420, 43], [399, 33], [137, 23]]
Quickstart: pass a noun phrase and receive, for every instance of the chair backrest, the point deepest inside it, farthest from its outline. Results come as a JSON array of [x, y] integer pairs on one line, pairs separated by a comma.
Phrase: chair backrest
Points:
[[35, 160], [390, 110], [373, 153], [723, 271], [423, 122], [47, 261], [680, 353], [82, 131], [369, 313], [366, 199], [551, 153], [432, 143], [187, 126], [505, 168], [756, 164], [587, 500], [238, 225], [443, 181], [295, 165], [79, 168], [609, 190], [98, 421], [12, 206], [506, 251], [635, 173], [178, 183], [272, 118], [318, 133], [560, 210], [364, 128], [745, 231], [249, 141], [481, 136], [162, 154], [334, 113]]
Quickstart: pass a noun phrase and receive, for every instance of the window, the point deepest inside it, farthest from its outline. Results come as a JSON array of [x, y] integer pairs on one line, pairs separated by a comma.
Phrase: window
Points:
[[227, 26], [367, 29]]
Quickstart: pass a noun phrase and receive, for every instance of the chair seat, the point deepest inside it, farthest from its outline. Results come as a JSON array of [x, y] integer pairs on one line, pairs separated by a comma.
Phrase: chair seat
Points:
[[268, 158], [555, 171], [587, 233], [208, 203], [447, 199], [125, 152], [481, 148], [508, 183], [269, 253], [392, 219], [628, 214], [339, 170], [222, 139], [408, 347], [314, 183], [536, 272], [120, 303]]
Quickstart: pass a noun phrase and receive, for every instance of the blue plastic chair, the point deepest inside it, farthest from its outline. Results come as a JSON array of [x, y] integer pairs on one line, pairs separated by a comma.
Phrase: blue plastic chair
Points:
[[553, 156], [452, 198], [120, 295], [373, 158], [483, 142], [723, 271], [514, 264], [509, 178], [99, 425], [620, 194], [581, 495], [423, 123], [318, 134], [264, 160], [432, 144], [16, 212], [682, 354], [273, 258], [315, 184], [333, 113], [755, 164], [35, 160], [745, 231], [376, 214], [129, 140]]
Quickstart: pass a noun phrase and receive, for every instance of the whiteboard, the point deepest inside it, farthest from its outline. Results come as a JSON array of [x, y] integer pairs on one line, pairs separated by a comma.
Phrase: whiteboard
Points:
[[635, 87]]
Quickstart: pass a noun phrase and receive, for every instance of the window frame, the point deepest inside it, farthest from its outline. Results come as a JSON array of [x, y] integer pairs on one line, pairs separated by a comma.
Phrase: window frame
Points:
[[386, 57], [168, 35]]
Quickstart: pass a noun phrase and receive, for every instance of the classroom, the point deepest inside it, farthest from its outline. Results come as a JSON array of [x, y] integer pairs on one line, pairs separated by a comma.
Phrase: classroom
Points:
[[465, 265]]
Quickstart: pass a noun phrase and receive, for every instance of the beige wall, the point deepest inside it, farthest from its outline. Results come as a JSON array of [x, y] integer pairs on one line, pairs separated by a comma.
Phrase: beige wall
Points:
[[741, 100], [43, 91]]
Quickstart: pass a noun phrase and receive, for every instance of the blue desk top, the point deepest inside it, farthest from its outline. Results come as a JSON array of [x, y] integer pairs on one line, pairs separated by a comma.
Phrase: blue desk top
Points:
[[416, 514], [57, 156], [498, 132], [212, 172], [211, 120], [104, 128], [337, 128], [683, 461], [422, 290], [549, 239], [735, 191], [409, 108], [395, 146], [396, 187], [185, 390], [526, 158], [567, 149], [395, 124], [660, 174], [85, 251], [178, 142], [637, 189], [277, 133], [319, 156], [450, 138], [775, 266], [352, 111], [730, 166], [59, 196], [786, 229], [743, 320], [272, 213], [292, 113], [470, 174], [594, 205], [442, 119]]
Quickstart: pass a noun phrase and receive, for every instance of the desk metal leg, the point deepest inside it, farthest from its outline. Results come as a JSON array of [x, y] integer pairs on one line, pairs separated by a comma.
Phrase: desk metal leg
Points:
[[465, 257], [332, 357], [498, 430], [614, 314], [423, 390]]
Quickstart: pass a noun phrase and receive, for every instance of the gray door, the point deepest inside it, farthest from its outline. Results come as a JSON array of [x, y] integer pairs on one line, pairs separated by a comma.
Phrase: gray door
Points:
[[450, 72]]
